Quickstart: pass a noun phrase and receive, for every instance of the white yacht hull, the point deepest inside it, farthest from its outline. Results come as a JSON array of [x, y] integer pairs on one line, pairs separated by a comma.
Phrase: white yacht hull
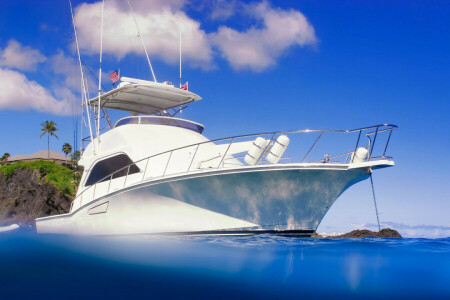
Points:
[[284, 199]]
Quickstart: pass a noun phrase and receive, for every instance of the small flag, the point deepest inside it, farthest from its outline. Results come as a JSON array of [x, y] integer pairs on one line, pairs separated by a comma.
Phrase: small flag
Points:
[[185, 86], [114, 76]]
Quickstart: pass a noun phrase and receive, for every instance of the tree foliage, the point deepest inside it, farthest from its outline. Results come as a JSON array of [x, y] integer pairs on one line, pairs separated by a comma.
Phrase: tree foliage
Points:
[[49, 129]]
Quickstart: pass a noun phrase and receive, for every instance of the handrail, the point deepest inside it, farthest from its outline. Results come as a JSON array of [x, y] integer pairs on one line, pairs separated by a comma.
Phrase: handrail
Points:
[[385, 128]]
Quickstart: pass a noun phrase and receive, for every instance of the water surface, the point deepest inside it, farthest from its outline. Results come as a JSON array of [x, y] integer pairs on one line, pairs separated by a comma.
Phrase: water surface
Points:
[[261, 266]]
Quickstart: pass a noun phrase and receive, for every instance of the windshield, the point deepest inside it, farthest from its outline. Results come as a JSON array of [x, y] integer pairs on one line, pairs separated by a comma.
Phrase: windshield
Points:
[[161, 121]]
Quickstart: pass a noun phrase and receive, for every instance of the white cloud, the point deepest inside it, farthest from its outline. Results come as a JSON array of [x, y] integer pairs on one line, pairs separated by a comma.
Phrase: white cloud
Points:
[[19, 57], [19, 93], [259, 48], [68, 68], [145, 6], [256, 48], [66, 75], [159, 25], [223, 9]]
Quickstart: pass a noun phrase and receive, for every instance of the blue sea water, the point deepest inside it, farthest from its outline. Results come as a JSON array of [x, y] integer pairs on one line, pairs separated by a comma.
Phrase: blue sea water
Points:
[[221, 267]]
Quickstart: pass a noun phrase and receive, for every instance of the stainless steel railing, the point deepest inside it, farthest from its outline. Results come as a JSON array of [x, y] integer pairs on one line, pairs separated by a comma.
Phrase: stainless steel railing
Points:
[[371, 133]]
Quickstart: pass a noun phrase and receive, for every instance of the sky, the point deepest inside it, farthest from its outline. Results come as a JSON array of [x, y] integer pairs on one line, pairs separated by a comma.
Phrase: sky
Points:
[[259, 66]]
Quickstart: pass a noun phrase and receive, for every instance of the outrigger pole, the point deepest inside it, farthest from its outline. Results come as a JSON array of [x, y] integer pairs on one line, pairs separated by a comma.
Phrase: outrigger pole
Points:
[[181, 108], [82, 75], [100, 75], [142, 41], [180, 49]]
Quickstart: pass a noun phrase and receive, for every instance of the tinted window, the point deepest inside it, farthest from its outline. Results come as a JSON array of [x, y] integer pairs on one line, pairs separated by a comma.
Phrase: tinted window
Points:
[[172, 122], [110, 165], [162, 121], [127, 121]]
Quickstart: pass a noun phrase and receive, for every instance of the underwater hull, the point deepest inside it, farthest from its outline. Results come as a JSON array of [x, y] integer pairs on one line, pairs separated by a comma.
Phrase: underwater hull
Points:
[[292, 200]]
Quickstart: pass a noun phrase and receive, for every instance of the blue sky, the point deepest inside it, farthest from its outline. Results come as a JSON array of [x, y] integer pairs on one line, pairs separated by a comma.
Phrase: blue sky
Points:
[[341, 65]]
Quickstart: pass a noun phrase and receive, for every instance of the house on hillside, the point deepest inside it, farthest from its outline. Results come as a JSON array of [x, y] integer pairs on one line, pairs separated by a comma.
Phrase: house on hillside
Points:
[[53, 156]]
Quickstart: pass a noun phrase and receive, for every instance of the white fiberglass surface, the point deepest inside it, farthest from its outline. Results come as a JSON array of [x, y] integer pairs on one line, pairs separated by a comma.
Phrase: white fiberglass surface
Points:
[[145, 98]]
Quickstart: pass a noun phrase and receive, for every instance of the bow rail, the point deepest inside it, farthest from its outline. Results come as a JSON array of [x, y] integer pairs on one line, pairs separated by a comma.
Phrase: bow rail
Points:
[[221, 154]]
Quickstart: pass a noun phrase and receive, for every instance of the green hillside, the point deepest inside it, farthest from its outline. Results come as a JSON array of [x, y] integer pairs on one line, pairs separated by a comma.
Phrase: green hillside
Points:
[[63, 178]]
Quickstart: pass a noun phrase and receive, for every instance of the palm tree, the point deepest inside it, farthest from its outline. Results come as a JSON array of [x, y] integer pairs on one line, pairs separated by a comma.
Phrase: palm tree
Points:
[[75, 157], [66, 148], [49, 128], [5, 157]]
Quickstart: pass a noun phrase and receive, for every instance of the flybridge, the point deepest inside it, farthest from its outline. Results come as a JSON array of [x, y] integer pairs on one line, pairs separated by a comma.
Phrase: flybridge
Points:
[[144, 97], [132, 95]]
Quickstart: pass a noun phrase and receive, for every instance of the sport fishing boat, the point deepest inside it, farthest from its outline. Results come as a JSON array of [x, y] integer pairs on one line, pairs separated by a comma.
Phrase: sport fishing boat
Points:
[[154, 173]]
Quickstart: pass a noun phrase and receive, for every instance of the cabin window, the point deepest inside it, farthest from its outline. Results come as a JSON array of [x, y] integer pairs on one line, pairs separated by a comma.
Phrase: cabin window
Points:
[[172, 122], [127, 121], [110, 165], [161, 121]]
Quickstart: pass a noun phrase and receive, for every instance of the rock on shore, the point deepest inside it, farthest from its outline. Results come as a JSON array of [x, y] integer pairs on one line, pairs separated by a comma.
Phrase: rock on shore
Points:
[[361, 233], [25, 196]]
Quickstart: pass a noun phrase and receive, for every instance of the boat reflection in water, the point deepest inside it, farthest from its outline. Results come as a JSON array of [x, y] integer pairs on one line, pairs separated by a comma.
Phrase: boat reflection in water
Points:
[[222, 267]]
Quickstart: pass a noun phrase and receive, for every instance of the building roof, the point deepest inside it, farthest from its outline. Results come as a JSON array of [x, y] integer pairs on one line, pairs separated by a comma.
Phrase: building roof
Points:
[[39, 155]]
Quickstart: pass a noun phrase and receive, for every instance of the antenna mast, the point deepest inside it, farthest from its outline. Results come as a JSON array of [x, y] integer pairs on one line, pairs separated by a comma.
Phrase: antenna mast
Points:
[[181, 107], [142, 41], [100, 75], [82, 75], [180, 49]]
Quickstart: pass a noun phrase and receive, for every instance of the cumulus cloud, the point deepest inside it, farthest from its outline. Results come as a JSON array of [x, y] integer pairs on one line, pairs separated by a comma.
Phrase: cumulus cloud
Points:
[[258, 48], [274, 31], [20, 57], [145, 6], [158, 22], [223, 9], [19, 93], [67, 67], [255, 48]]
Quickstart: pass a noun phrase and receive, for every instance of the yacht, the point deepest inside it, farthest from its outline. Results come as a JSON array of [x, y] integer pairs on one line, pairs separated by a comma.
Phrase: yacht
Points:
[[155, 173]]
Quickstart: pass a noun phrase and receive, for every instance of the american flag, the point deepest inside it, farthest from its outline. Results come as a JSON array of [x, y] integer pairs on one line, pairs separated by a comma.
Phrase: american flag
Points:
[[114, 76], [185, 86]]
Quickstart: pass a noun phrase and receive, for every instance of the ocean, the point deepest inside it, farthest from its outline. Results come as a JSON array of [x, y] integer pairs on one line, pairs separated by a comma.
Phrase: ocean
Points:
[[221, 267]]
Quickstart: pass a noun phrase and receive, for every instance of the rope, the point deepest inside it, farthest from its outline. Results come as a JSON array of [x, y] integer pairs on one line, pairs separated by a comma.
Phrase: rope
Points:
[[142, 41], [375, 201], [83, 83]]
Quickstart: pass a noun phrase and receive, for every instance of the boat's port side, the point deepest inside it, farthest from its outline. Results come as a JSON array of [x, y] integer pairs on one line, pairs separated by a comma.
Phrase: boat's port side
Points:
[[220, 186], [240, 153], [247, 202]]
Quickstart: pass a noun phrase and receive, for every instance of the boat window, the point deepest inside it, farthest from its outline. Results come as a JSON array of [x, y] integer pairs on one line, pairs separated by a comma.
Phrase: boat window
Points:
[[172, 122], [110, 165], [127, 121], [162, 121]]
